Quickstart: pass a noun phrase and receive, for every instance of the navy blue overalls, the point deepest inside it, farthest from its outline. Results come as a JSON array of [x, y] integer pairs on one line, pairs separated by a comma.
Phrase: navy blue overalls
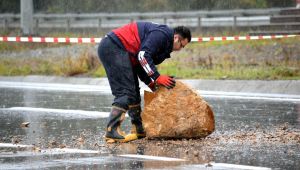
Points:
[[131, 52]]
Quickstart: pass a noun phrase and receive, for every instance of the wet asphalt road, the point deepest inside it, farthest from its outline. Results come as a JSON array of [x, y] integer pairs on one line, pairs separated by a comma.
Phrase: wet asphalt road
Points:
[[67, 126]]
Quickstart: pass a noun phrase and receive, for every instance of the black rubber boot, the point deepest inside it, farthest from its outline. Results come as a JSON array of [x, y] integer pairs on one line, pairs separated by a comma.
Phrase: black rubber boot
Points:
[[113, 131], [137, 126]]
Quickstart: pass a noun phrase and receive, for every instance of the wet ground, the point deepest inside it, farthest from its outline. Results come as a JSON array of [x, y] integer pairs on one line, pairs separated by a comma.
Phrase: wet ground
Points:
[[61, 128]]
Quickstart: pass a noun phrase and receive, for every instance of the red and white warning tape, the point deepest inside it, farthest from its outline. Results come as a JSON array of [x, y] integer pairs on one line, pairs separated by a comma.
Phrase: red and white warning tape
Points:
[[50, 39], [97, 40], [236, 38]]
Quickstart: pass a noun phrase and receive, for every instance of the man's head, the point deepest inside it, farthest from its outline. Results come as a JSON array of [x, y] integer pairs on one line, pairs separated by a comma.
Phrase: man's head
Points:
[[182, 36]]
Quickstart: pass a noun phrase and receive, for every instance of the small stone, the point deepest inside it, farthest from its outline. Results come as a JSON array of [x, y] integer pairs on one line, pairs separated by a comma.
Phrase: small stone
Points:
[[53, 144], [80, 140], [25, 124], [36, 149], [15, 140], [61, 146], [196, 153], [186, 151], [209, 165], [285, 126]]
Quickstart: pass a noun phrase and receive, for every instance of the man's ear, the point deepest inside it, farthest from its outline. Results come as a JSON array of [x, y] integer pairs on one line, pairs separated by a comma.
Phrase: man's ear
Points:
[[175, 37]]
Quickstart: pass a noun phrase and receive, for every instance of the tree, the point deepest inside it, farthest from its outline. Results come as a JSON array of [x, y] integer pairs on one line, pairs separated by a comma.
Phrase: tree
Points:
[[94, 6], [281, 3], [10, 6]]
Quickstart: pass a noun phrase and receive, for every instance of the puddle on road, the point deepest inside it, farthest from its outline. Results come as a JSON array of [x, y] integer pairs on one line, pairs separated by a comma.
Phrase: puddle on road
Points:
[[248, 132]]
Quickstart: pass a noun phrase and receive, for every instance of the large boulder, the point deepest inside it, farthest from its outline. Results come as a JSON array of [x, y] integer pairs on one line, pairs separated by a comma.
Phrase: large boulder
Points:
[[177, 113]]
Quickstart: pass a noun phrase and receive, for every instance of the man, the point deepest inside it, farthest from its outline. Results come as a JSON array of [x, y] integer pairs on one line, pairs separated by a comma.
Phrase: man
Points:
[[130, 53]]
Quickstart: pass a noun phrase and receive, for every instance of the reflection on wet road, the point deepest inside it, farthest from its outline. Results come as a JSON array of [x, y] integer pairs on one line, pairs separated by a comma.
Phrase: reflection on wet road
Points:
[[66, 129]]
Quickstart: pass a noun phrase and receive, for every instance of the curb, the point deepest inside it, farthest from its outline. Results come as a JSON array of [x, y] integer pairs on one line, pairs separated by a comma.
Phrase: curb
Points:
[[290, 87]]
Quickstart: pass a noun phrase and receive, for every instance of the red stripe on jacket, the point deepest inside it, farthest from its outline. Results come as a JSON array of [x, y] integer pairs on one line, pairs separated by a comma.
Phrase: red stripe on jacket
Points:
[[129, 36]]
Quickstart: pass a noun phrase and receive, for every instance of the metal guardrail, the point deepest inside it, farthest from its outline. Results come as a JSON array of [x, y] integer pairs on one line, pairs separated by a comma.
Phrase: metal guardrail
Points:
[[198, 19]]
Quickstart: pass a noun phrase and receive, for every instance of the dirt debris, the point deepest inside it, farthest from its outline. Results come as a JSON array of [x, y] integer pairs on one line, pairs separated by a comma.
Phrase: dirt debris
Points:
[[278, 135], [198, 150]]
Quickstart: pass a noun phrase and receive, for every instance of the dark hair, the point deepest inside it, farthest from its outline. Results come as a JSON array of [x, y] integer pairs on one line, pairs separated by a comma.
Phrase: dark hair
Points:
[[184, 32]]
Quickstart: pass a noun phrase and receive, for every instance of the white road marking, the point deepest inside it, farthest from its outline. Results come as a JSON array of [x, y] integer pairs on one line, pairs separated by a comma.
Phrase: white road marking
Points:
[[10, 145], [158, 158], [235, 166], [106, 90], [62, 112], [56, 151], [74, 150], [49, 151], [55, 87], [67, 150], [253, 96]]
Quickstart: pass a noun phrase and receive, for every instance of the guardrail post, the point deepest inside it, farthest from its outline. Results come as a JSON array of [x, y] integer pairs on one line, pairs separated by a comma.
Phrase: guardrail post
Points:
[[234, 22], [6, 24], [165, 21], [99, 24], [199, 23], [27, 17], [68, 25], [36, 21]]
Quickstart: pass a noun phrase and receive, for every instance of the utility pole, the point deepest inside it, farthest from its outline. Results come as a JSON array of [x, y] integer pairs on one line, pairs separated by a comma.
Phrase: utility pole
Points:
[[27, 17]]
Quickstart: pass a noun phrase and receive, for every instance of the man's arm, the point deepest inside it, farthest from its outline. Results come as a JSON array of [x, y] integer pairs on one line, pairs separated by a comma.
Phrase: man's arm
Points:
[[156, 41], [143, 75], [149, 48]]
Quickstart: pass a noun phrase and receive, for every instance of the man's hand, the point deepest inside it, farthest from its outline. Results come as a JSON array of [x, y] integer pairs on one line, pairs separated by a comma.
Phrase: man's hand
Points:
[[166, 81]]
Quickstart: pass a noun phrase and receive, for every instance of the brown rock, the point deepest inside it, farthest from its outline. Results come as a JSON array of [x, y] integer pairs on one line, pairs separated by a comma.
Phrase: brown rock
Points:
[[177, 113]]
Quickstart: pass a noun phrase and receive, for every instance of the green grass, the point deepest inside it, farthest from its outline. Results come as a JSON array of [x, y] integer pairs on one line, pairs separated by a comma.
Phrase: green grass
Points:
[[55, 66], [82, 66], [189, 63], [18, 46], [238, 72], [281, 63]]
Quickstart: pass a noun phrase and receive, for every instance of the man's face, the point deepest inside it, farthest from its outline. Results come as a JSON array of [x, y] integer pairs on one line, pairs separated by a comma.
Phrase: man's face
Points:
[[179, 42]]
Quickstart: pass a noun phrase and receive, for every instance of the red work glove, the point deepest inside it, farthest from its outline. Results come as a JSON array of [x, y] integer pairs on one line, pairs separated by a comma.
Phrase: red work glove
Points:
[[166, 81], [152, 86]]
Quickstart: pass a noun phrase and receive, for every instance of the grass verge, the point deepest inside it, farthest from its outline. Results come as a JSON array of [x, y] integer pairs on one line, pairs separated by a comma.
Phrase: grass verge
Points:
[[263, 59]]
